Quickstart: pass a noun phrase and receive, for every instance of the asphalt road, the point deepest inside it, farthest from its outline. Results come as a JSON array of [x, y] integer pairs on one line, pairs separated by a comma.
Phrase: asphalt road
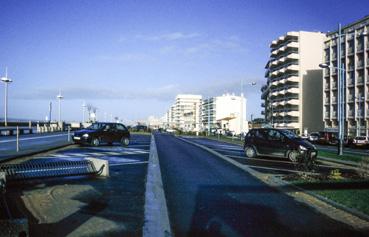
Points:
[[85, 206], [207, 196]]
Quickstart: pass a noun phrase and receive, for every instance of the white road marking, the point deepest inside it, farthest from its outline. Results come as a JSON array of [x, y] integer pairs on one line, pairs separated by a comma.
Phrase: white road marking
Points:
[[130, 163]]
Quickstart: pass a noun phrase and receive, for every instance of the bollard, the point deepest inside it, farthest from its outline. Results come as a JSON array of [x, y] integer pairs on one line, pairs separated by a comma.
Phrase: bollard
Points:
[[17, 138], [68, 134]]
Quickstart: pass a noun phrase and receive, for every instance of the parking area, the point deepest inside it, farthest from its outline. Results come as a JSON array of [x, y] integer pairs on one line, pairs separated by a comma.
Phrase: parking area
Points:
[[265, 165], [99, 206]]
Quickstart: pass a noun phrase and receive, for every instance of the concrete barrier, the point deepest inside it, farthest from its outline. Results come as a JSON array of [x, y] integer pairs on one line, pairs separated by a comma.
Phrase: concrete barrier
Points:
[[98, 163]]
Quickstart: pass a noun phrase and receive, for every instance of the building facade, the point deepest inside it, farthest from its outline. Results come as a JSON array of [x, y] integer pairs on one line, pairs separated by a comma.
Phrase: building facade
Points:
[[185, 113], [226, 112], [355, 59], [292, 94]]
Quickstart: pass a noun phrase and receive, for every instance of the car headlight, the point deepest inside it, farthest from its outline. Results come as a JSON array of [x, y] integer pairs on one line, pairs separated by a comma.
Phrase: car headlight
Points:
[[302, 148], [85, 135]]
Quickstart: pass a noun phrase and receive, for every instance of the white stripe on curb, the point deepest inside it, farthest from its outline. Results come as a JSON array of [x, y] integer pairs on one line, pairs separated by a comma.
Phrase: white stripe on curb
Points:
[[156, 212]]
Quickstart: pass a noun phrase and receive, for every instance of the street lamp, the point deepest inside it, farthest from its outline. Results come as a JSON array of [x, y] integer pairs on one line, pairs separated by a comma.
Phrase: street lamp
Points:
[[241, 103], [6, 80], [360, 100], [340, 93], [59, 97]]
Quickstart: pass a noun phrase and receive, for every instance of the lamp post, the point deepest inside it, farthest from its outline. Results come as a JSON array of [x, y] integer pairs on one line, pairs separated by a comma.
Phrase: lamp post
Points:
[[241, 104], [83, 111], [358, 124], [6, 80], [59, 97], [341, 71]]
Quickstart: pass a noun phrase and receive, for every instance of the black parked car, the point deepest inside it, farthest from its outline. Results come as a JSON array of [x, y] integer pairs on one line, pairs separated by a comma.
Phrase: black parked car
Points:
[[277, 143], [99, 133]]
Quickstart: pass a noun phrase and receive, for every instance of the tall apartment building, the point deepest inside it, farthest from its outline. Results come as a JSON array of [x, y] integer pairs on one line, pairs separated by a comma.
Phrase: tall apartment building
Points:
[[292, 94], [355, 57], [185, 114], [225, 112]]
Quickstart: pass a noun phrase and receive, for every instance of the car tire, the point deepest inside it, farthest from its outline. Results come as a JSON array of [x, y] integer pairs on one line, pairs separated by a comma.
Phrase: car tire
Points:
[[124, 141], [293, 156], [95, 141], [250, 152]]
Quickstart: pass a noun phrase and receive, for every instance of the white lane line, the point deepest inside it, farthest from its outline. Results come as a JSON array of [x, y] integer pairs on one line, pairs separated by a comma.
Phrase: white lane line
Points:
[[32, 138], [130, 163]]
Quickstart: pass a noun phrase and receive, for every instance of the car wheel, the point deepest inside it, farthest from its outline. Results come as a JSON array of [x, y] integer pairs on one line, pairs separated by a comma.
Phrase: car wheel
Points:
[[124, 141], [293, 156], [95, 141], [250, 152]]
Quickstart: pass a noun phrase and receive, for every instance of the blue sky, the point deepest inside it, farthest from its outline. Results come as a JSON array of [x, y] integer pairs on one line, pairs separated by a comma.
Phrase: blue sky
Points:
[[130, 58]]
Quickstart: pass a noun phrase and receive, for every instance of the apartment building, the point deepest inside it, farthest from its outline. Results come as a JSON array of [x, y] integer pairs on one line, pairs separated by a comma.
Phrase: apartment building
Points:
[[226, 112], [292, 94], [185, 113], [355, 58]]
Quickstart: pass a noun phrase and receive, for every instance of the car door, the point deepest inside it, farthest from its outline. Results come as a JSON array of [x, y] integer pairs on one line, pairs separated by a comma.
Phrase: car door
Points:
[[107, 133], [260, 141], [122, 131], [277, 143]]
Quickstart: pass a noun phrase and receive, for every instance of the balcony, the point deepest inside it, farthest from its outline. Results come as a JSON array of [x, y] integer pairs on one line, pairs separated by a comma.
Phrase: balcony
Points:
[[326, 101], [360, 64], [350, 98], [326, 115], [334, 100], [359, 48], [334, 114], [350, 82], [350, 114], [360, 81], [334, 85], [350, 51]]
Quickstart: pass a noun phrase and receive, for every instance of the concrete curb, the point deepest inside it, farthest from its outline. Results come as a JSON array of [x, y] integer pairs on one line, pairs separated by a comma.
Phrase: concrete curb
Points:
[[330, 208], [156, 212], [32, 153]]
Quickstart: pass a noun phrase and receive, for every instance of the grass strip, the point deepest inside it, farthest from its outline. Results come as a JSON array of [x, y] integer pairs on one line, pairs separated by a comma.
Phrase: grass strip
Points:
[[333, 155], [352, 194]]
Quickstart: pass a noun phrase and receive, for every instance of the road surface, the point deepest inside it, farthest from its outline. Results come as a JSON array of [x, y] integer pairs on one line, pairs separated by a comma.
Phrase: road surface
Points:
[[207, 196]]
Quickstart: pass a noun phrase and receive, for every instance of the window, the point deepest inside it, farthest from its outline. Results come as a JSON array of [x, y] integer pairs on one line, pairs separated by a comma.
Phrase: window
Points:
[[274, 135], [121, 127]]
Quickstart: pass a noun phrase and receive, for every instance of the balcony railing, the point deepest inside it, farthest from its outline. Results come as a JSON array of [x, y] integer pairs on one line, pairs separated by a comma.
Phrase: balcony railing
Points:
[[360, 80], [359, 48], [326, 115], [360, 64], [350, 82], [350, 98], [350, 50], [350, 114]]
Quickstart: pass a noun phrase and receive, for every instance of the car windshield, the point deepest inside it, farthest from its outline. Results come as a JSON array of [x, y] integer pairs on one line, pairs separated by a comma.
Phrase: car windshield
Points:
[[289, 134], [95, 126]]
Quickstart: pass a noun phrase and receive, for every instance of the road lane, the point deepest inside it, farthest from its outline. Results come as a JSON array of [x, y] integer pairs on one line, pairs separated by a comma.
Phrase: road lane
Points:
[[207, 196]]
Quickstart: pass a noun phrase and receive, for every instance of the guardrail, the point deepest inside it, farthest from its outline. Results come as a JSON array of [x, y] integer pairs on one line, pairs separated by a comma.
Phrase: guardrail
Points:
[[17, 132]]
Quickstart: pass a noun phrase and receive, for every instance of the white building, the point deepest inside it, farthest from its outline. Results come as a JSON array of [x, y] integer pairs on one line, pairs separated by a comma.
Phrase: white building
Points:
[[226, 112], [185, 114], [293, 90]]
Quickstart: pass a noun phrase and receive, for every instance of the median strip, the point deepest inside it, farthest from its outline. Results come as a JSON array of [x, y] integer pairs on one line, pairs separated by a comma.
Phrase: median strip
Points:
[[156, 212]]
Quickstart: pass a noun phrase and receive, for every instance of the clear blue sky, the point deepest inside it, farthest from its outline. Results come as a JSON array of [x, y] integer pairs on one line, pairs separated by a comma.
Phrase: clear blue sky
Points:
[[130, 58]]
